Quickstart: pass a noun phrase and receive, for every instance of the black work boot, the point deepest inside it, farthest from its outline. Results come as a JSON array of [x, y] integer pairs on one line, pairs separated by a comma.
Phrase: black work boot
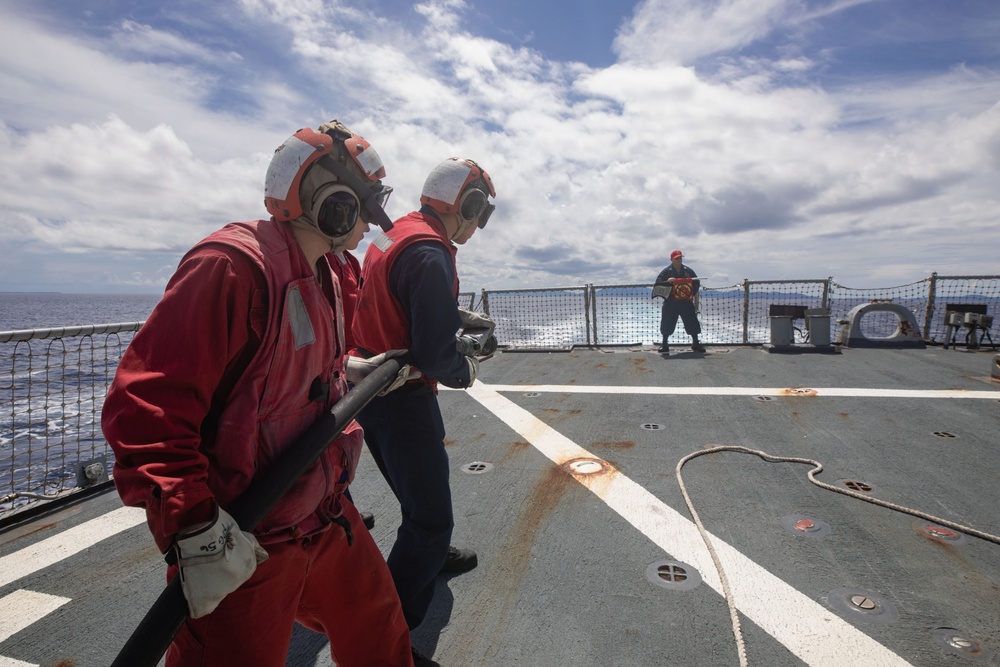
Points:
[[460, 560], [695, 345]]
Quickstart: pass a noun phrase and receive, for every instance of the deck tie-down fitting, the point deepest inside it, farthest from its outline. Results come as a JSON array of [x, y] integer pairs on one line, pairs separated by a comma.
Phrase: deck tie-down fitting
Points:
[[727, 593]]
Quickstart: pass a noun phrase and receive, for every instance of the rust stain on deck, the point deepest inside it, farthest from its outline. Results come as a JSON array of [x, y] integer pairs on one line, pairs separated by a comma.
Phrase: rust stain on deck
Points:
[[555, 415], [514, 449], [614, 444], [639, 364], [594, 473], [977, 583], [508, 567], [798, 392]]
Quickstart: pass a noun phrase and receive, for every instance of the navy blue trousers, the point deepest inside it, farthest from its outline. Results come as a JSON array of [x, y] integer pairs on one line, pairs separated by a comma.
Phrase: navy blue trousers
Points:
[[404, 432], [673, 308]]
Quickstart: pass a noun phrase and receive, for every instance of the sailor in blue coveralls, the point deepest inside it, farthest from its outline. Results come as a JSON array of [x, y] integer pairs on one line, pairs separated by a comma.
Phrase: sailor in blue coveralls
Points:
[[680, 301], [409, 301]]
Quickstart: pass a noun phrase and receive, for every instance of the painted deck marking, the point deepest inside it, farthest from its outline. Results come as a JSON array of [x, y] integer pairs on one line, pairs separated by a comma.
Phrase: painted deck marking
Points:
[[67, 543], [22, 608], [11, 662], [847, 392], [19, 610], [810, 631]]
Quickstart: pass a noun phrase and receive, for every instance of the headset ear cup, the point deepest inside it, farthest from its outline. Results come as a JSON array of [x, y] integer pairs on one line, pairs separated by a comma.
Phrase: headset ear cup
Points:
[[336, 210], [473, 204]]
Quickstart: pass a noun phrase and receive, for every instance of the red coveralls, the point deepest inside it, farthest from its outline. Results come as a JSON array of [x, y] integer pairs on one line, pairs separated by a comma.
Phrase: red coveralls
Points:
[[194, 412], [348, 270]]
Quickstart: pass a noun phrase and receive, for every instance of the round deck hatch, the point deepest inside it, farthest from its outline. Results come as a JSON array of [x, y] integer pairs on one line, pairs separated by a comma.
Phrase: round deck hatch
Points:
[[673, 575]]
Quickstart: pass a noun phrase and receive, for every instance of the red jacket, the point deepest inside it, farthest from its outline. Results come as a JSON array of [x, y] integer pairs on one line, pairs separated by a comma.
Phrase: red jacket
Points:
[[348, 270], [380, 323], [194, 412]]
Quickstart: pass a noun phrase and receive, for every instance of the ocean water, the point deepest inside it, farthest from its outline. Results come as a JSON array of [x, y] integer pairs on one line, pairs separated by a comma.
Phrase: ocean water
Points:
[[38, 310], [52, 390]]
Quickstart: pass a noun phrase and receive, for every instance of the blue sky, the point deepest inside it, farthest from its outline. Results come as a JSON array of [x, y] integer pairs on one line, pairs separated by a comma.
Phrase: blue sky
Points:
[[768, 139]]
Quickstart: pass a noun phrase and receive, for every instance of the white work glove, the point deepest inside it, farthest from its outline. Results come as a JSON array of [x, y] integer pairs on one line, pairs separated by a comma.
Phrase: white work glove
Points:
[[359, 368], [215, 558], [474, 320], [473, 369]]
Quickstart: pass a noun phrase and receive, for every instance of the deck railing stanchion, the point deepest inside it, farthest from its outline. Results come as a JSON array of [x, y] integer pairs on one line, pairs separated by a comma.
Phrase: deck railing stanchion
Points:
[[590, 307], [746, 310], [931, 294]]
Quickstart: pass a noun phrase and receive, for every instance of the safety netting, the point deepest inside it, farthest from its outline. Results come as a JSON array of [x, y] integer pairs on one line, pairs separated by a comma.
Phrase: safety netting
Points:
[[608, 315], [52, 388], [556, 318], [53, 382]]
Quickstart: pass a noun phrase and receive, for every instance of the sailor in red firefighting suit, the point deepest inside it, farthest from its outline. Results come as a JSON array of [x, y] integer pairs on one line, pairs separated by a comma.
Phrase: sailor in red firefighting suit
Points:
[[348, 270], [243, 353], [409, 300]]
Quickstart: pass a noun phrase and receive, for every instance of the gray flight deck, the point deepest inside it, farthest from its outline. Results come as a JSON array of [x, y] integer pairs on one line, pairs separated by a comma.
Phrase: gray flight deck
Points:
[[563, 478]]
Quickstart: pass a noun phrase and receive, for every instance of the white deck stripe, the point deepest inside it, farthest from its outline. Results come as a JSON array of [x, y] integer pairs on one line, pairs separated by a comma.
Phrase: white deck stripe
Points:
[[11, 662], [67, 543], [22, 608], [849, 392], [810, 631]]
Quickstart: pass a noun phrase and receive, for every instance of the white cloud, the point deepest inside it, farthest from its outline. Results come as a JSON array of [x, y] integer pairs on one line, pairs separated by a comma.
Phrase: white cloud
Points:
[[748, 162], [681, 31], [111, 187], [69, 80], [145, 41]]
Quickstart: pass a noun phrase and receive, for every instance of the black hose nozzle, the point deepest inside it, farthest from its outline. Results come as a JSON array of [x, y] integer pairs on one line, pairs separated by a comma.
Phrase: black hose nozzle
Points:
[[477, 342]]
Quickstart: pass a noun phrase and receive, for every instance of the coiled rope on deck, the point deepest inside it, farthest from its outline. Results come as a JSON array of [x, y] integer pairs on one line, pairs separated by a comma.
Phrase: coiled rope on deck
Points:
[[733, 615]]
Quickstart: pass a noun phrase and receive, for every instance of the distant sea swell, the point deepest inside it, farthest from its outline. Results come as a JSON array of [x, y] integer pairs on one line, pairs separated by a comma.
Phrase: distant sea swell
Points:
[[41, 310]]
